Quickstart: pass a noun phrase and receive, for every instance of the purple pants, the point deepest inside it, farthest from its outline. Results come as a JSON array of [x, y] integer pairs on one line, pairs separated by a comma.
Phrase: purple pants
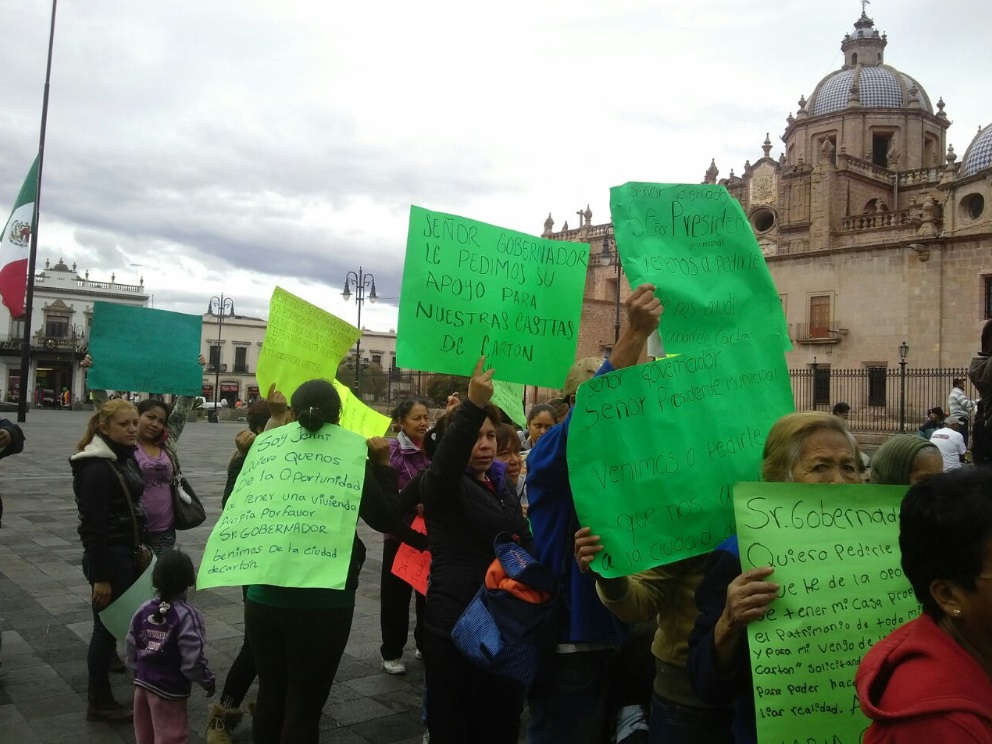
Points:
[[158, 720]]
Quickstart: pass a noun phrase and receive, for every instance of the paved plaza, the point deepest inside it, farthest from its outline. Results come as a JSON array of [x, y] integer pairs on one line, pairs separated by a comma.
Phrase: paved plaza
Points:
[[46, 622]]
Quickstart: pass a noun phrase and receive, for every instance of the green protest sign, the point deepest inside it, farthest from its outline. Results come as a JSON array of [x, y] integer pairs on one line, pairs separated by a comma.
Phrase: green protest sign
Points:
[[116, 617], [654, 450], [509, 398], [291, 518], [144, 350], [695, 244], [836, 555], [302, 342], [471, 289]]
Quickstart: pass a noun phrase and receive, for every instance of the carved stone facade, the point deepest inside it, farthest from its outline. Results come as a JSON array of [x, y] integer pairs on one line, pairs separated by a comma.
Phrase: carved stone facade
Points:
[[873, 232]]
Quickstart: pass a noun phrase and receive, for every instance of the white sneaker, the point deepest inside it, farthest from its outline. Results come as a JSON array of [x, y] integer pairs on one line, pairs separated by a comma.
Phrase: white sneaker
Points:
[[393, 666], [419, 654]]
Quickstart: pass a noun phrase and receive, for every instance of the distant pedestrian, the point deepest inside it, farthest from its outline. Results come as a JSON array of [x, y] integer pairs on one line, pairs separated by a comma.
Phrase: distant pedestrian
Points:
[[935, 420], [165, 652], [950, 442], [960, 406], [842, 410]]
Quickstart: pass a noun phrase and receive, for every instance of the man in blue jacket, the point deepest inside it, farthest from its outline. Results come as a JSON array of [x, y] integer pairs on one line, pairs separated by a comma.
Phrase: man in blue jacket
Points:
[[569, 705]]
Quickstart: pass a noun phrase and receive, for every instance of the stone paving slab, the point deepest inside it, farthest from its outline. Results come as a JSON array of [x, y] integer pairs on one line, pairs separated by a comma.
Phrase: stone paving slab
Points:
[[46, 622]]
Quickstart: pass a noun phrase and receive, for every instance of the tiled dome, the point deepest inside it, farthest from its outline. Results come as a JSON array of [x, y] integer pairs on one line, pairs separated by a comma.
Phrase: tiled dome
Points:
[[879, 86], [978, 156]]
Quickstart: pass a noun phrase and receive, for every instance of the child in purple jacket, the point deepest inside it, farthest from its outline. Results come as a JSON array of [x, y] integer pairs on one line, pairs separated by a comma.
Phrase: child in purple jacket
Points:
[[165, 654]]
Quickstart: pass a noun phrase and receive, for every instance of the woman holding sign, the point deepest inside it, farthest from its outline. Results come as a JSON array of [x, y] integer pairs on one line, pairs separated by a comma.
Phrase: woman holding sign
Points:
[[299, 635], [931, 679], [804, 447], [467, 501], [108, 484]]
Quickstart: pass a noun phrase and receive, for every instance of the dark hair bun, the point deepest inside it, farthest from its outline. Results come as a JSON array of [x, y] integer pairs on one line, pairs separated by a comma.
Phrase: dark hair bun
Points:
[[311, 419]]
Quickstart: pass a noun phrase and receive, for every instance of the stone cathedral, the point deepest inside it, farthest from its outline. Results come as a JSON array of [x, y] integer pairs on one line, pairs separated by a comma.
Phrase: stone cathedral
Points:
[[876, 232]]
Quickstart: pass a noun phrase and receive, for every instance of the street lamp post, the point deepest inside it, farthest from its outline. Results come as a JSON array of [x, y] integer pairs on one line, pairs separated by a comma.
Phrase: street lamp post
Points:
[[363, 283], [903, 353], [219, 307]]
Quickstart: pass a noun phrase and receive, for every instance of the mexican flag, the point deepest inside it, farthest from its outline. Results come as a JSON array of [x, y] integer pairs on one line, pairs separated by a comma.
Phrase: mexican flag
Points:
[[15, 242]]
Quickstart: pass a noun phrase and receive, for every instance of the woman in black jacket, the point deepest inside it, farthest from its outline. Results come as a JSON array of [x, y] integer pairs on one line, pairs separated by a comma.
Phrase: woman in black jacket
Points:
[[108, 484], [298, 635], [467, 501]]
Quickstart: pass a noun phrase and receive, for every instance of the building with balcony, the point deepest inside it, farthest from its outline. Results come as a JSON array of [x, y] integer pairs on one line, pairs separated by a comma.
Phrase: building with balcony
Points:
[[231, 350], [61, 314], [875, 232]]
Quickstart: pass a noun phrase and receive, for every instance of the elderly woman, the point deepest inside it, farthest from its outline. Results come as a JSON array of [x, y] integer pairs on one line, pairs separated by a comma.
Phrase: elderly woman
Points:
[[805, 447], [931, 679], [903, 460]]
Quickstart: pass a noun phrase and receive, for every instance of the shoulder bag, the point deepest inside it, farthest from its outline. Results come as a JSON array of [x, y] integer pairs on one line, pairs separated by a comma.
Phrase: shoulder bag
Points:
[[142, 553], [187, 509], [509, 624]]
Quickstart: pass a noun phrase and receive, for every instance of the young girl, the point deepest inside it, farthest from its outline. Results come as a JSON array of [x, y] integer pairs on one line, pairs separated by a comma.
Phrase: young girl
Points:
[[165, 654]]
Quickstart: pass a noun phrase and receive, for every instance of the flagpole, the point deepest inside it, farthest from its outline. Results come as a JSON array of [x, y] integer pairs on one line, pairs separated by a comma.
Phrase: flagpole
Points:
[[22, 403]]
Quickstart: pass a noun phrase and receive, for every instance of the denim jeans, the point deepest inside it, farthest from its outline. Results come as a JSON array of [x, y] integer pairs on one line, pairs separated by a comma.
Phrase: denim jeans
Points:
[[673, 723], [102, 644], [159, 542], [571, 707]]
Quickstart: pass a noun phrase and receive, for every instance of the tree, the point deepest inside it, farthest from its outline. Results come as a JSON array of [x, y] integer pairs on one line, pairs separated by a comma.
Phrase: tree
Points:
[[441, 386]]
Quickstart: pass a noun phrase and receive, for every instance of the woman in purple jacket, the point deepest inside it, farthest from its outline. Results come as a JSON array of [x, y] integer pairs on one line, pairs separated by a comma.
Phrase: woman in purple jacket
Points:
[[407, 458]]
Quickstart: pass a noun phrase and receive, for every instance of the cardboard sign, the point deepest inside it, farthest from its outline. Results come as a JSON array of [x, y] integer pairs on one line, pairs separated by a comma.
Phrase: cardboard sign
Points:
[[290, 520], [144, 350], [835, 549], [654, 450], [302, 342], [412, 565], [472, 289], [695, 244]]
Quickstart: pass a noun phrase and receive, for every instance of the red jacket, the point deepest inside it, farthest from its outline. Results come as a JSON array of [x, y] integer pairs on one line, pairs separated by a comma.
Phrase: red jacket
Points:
[[919, 685]]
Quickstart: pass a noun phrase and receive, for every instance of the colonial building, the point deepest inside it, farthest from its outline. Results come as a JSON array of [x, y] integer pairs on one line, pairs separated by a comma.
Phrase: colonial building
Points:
[[61, 313], [875, 231], [231, 349]]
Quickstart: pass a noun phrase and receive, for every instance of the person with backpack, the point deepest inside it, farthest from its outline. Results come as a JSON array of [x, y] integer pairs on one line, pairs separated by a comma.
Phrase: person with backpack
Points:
[[165, 652], [468, 501]]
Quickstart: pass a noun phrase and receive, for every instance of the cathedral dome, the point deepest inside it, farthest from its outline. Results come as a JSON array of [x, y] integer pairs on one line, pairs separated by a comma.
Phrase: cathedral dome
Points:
[[978, 156], [865, 79]]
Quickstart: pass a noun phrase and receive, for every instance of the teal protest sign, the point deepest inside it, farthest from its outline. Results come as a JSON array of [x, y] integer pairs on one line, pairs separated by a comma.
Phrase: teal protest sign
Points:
[[145, 350], [291, 517], [695, 244], [654, 450], [836, 555], [472, 289]]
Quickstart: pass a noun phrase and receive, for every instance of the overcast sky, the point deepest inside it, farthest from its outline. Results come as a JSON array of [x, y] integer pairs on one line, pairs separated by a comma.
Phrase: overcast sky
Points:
[[229, 146]]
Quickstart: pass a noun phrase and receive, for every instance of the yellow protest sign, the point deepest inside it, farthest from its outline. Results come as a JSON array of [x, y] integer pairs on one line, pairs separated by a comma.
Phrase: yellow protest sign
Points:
[[358, 417], [302, 342]]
